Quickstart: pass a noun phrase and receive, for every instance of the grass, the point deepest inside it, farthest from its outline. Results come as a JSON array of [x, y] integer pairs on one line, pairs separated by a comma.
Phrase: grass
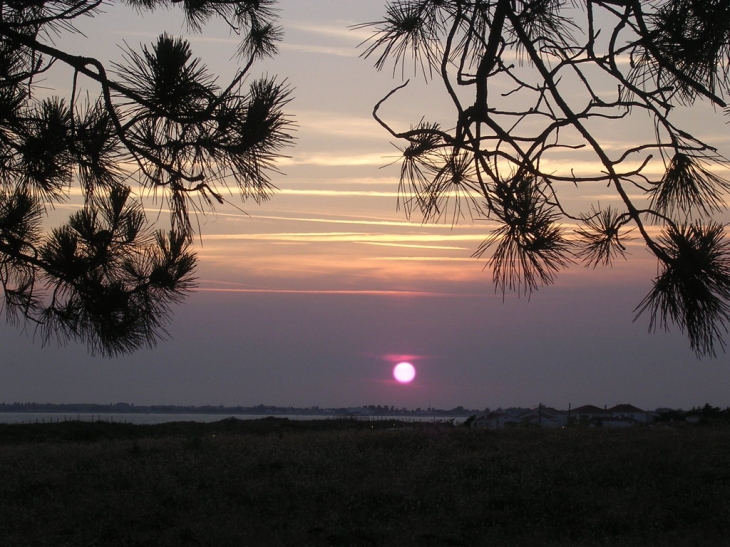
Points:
[[346, 483]]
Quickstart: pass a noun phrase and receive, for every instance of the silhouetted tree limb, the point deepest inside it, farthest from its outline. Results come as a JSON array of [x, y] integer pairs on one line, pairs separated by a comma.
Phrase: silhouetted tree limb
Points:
[[532, 78], [106, 278]]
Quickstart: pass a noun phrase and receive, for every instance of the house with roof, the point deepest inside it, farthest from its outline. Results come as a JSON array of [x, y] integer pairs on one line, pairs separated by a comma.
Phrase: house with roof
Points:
[[540, 416], [630, 412], [587, 415], [622, 415], [544, 417]]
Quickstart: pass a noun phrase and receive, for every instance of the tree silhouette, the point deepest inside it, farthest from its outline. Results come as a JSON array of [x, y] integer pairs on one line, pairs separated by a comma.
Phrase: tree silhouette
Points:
[[531, 79], [160, 123]]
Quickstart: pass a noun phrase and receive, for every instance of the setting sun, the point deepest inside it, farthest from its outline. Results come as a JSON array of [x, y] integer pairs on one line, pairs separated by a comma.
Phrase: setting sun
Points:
[[404, 373]]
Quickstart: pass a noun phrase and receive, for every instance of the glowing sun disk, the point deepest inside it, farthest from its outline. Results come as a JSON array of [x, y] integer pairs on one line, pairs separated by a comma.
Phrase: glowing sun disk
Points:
[[404, 372]]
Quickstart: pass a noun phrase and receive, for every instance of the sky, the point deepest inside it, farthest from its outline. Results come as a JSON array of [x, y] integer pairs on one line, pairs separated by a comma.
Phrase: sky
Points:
[[313, 297]]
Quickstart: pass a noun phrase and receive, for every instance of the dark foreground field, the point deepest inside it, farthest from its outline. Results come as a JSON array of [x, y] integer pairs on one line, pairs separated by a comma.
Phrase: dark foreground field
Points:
[[346, 483]]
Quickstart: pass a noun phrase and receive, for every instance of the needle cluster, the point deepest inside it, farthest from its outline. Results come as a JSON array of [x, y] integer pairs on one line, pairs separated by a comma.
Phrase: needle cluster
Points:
[[160, 124]]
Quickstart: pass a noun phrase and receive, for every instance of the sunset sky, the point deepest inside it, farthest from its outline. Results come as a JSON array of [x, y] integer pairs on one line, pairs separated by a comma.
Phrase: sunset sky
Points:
[[313, 297]]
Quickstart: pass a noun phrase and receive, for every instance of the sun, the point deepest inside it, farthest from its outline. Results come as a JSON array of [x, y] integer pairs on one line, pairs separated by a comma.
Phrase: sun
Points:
[[404, 372]]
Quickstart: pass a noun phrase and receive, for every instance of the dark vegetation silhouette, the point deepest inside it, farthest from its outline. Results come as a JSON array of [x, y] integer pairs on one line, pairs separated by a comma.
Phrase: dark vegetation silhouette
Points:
[[530, 80], [348, 482], [156, 123]]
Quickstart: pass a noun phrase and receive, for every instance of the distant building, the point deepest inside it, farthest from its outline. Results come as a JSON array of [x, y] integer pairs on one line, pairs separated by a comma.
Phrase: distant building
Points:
[[631, 412], [540, 416], [544, 417], [623, 415], [588, 415]]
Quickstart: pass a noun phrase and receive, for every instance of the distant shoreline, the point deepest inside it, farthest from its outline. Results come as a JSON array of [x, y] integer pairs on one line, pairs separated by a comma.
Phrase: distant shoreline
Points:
[[622, 415], [258, 410], [19, 418]]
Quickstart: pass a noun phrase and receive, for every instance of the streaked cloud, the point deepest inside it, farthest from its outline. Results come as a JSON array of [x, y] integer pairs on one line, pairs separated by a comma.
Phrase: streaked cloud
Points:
[[413, 246], [426, 258], [337, 124], [331, 237], [321, 50], [338, 193], [332, 160], [340, 29], [371, 292], [353, 221]]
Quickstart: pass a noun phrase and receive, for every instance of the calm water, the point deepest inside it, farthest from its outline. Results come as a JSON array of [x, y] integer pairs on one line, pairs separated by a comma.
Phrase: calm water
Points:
[[46, 417], [52, 417]]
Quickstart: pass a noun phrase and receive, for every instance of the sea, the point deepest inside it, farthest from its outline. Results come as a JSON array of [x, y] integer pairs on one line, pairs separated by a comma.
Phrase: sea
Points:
[[141, 419]]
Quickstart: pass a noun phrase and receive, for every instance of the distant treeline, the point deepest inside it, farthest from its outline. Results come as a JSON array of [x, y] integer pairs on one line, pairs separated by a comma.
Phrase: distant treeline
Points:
[[707, 414], [127, 408]]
